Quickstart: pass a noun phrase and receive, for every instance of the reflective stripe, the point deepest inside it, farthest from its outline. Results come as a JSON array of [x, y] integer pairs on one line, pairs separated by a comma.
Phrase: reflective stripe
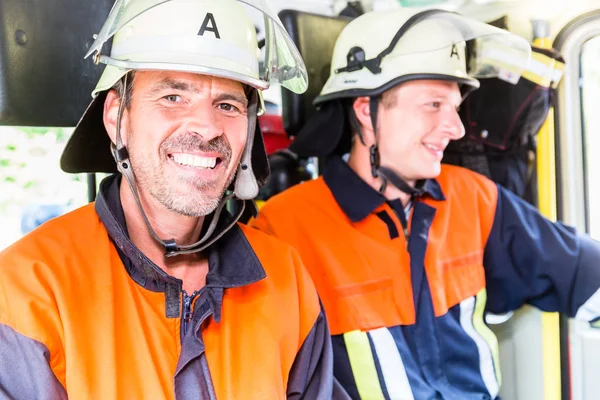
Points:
[[486, 333], [391, 365], [590, 310], [199, 69], [471, 319], [502, 55], [363, 365], [543, 70], [193, 46]]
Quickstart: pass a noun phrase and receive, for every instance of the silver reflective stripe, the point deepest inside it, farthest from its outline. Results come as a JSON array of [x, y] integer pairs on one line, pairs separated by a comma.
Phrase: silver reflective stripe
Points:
[[392, 367], [186, 44], [171, 66], [25, 371]]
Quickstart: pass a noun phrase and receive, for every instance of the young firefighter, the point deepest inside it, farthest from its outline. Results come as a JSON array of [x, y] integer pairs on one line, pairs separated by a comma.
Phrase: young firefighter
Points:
[[406, 253]]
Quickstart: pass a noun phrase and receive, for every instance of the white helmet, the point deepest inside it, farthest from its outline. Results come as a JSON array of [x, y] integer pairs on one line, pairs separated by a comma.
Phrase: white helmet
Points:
[[382, 49], [211, 37]]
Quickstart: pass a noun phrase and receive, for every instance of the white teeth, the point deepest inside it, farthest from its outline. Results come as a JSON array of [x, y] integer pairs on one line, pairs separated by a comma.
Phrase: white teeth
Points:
[[432, 147], [194, 161]]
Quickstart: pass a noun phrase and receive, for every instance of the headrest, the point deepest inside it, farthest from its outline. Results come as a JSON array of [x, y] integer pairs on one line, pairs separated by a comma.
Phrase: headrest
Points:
[[44, 79], [314, 36]]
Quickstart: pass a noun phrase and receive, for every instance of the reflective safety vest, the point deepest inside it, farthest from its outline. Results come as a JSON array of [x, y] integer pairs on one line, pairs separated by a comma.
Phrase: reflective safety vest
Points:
[[406, 306], [76, 320]]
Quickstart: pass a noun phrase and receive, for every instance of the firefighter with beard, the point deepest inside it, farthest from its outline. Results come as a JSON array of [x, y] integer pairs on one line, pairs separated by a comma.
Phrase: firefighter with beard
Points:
[[155, 290]]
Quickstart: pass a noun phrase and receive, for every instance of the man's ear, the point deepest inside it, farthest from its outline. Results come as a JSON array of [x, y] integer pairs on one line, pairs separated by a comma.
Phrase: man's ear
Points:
[[361, 107], [111, 114]]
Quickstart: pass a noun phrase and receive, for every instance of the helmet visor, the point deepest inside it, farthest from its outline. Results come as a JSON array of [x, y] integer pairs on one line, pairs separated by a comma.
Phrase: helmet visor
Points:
[[493, 52]]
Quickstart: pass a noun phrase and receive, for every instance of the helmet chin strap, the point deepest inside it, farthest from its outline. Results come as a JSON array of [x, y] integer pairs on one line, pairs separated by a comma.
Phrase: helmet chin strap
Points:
[[387, 175], [171, 247]]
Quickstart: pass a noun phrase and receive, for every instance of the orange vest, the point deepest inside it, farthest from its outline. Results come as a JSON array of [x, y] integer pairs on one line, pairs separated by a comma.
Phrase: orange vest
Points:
[[65, 286], [363, 277]]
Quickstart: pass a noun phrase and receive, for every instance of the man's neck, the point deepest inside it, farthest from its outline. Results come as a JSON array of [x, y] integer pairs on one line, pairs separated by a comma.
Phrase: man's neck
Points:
[[359, 162], [190, 268]]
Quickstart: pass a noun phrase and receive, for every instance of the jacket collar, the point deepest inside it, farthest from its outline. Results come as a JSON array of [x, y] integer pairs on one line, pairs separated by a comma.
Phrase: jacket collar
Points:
[[355, 197], [231, 260]]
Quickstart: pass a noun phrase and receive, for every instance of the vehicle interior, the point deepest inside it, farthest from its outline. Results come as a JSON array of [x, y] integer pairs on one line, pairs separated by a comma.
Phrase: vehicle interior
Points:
[[538, 138]]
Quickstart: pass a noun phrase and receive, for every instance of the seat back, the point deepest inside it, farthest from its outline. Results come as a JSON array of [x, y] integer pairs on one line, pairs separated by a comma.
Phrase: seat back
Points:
[[314, 36], [44, 80]]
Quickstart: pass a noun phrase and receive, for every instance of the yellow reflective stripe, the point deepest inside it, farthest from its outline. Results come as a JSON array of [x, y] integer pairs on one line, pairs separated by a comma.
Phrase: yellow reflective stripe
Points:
[[363, 365], [543, 70], [485, 332], [551, 352]]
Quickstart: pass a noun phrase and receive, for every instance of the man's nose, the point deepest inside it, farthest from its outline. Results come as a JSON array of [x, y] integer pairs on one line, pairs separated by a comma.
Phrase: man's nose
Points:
[[202, 120], [453, 125]]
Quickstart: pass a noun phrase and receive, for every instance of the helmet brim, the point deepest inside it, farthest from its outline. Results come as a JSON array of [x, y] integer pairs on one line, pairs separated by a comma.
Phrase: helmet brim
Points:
[[467, 84]]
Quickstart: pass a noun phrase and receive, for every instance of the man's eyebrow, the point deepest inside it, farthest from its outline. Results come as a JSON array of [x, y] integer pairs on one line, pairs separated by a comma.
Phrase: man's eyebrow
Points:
[[434, 93], [238, 97], [170, 84], [439, 95]]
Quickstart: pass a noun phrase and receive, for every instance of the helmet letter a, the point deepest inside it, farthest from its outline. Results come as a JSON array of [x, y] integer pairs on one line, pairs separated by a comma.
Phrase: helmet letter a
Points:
[[454, 52], [209, 19]]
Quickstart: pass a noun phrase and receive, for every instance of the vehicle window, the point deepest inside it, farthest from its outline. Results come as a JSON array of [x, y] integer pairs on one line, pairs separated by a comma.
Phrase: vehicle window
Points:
[[589, 84], [33, 188]]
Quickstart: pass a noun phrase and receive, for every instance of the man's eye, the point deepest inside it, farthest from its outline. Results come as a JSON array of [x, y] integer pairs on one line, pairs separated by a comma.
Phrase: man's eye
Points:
[[173, 98], [436, 104], [227, 107]]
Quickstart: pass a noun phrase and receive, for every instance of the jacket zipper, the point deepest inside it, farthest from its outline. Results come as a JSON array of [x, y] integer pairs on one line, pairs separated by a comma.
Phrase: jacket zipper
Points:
[[187, 313]]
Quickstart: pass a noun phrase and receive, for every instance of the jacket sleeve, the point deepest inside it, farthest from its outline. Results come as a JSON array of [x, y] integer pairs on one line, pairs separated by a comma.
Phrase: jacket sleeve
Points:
[[25, 371], [311, 376], [529, 259]]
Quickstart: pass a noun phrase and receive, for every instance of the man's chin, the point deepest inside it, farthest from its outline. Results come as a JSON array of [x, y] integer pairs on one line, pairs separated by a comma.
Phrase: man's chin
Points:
[[200, 208], [193, 201], [431, 173]]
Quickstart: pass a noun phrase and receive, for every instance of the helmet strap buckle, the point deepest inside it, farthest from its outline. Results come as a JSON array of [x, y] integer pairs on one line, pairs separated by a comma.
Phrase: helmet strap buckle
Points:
[[374, 158]]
